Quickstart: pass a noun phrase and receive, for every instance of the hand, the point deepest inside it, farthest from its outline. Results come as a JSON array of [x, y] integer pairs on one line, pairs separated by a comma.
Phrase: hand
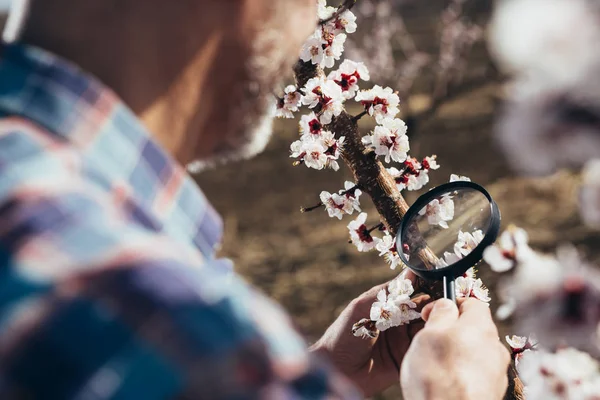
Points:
[[456, 356], [372, 364]]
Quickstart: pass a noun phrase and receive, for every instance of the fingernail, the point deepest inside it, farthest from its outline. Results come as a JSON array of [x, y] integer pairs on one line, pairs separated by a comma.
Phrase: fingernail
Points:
[[444, 304]]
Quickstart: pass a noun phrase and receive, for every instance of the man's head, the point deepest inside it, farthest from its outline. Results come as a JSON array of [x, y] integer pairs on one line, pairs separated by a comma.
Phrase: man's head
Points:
[[200, 73]]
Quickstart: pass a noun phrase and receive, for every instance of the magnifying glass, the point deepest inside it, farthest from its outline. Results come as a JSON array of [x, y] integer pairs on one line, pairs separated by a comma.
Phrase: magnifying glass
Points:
[[445, 232]]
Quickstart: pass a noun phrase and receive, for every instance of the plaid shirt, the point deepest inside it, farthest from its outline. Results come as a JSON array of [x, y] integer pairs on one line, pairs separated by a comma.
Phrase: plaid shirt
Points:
[[109, 285]]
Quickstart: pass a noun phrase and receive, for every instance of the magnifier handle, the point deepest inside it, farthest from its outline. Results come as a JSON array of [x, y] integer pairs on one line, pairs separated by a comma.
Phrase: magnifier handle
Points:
[[449, 290]]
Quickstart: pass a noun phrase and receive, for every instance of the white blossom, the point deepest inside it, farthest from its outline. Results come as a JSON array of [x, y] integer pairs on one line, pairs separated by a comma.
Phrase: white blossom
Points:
[[400, 178], [463, 287], [334, 204], [311, 152], [430, 163], [517, 343], [393, 309], [352, 194], [400, 286], [396, 308], [479, 291], [359, 234], [365, 328], [344, 202], [418, 181], [290, 102], [348, 75], [389, 140], [334, 50], [415, 175], [467, 242], [379, 102], [310, 126], [471, 287], [327, 94], [407, 312], [387, 249], [297, 149], [447, 259], [470, 273], [385, 312], [439, 211], [511, 248], [457, 178], [312, 50], [520, 346], [346, 21], [333, 147], [324, 12], [315, 155]]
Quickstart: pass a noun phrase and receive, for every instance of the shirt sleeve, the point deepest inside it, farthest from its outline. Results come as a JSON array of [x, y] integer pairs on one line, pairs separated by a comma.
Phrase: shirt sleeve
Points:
[[95, 306]]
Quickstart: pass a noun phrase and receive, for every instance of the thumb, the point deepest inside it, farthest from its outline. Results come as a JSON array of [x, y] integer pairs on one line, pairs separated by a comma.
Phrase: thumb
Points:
[[440, 313]]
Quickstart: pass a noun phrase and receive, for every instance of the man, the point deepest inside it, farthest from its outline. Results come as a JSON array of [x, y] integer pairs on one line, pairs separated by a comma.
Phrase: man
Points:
[[110, 288]]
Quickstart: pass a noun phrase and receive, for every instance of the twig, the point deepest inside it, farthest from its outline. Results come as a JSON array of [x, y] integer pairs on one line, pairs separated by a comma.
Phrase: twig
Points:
[[348, 4], [376, 227], [309, 209], [342, 193], [359, 116]]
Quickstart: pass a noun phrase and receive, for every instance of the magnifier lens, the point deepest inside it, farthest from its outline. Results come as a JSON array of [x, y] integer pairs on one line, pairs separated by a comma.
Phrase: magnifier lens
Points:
[[446, 229]]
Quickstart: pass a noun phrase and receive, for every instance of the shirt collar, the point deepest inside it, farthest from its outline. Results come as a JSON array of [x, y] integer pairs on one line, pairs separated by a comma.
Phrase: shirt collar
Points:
[[67, 102]]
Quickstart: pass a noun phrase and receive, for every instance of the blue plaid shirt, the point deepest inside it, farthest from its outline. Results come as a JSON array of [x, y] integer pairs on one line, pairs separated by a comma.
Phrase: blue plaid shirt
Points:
[[109, 285]]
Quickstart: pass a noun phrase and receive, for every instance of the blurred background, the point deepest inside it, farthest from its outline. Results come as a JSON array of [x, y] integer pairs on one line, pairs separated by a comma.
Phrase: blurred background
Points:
[[433, 52]]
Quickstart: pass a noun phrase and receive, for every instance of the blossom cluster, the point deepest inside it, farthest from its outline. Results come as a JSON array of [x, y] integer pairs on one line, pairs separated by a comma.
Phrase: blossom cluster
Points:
[[558, 298], [567, 374], [317, 148], [414, 175], [326, 45], [393, 307], [344, 202], [550, 122], [439, 211], [467, 285]]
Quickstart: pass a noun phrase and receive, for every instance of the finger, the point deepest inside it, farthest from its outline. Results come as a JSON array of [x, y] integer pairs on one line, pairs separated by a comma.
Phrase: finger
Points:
[[429, 302], [442, 312], [476, 313], [422, 301], [427, 310]]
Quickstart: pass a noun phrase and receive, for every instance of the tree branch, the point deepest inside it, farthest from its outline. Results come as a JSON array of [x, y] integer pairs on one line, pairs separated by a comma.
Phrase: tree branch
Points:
[[373, 179], [369, 173]]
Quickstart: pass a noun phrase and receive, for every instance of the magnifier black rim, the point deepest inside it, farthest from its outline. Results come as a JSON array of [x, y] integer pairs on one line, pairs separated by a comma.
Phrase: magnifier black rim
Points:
[[471, 259]]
